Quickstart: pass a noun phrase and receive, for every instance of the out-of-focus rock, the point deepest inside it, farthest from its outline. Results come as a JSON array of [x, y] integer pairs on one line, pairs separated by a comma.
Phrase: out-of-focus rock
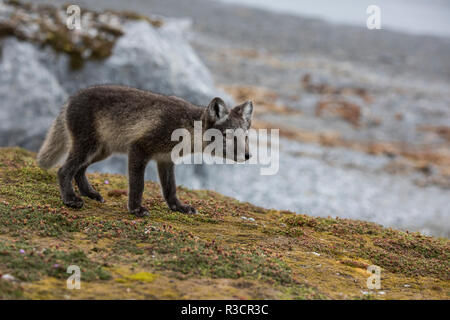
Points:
[[30, 95], [148, 58], [322, 88], [348, 111], [264, 98], [441, 131], [42, 63], [8, 277]]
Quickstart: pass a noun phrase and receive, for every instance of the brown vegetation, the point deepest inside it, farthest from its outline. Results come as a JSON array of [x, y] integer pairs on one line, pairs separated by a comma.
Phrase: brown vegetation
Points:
[[214, 254], [265, 99], [346, 110]]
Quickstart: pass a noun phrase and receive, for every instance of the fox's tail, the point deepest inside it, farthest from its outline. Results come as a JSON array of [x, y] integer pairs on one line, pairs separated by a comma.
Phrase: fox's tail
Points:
[[56, 143]]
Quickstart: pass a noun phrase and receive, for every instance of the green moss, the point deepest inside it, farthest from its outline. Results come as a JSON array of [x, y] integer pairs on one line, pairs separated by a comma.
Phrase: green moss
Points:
[[28, 262], [410, 254], [273, 251], [140, 276], [131, 15], [44, 221], [10, 290]]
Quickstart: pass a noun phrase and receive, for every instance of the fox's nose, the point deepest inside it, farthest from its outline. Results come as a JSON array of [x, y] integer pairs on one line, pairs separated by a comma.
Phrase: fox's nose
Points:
[[248, 156]]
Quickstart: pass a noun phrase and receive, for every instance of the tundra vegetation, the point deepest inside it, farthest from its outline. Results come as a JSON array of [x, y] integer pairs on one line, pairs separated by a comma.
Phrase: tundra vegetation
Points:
[[230, 250]]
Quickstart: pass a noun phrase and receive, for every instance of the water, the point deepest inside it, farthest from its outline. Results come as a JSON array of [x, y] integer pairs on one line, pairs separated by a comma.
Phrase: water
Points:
[[429, 17]]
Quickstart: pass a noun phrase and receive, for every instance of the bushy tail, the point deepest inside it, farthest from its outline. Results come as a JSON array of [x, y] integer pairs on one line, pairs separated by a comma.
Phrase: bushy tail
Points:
[[56, 142]]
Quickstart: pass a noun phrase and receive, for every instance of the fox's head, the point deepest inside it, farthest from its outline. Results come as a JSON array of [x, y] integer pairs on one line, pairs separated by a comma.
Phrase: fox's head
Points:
[[233, 124]]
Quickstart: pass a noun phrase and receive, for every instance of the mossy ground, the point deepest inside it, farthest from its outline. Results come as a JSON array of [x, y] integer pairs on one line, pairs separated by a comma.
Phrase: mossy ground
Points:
[[216, 254]]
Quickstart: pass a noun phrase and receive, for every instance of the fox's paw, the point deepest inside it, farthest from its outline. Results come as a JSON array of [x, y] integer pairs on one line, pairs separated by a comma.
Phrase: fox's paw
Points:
[[140, 212], [74, 202], [183, 208], [94, 195]]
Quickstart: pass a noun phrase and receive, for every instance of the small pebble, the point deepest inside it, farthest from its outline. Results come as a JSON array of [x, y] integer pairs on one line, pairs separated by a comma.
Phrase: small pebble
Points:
[[8, 277]]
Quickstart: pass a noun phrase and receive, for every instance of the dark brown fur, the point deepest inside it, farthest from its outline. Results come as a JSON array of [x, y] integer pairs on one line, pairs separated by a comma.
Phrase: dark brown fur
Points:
[[102, 120]]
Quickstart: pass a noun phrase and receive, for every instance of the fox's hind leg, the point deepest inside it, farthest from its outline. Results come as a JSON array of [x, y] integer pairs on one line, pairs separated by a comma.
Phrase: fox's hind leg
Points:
[[77, 159], [83, 184], [74, 162]]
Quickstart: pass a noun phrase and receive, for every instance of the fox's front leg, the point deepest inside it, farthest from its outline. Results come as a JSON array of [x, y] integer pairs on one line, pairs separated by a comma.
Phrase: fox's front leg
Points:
[[167, 180], [137, 161]]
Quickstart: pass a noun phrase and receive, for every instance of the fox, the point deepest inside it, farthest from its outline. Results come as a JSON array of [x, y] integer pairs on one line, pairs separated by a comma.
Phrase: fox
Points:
[[102, 120]]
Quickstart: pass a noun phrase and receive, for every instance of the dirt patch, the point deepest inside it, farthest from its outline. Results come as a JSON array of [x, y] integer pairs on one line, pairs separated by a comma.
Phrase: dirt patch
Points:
[[265, 99], [278, 255], [350, 112]]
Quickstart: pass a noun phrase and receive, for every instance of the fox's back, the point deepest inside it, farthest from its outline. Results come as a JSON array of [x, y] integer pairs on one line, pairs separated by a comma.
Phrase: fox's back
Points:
[[117, 116]]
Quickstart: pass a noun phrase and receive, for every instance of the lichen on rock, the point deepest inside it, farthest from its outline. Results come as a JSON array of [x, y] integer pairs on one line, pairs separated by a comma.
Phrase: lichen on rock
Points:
[[37, 72], [47, 25]]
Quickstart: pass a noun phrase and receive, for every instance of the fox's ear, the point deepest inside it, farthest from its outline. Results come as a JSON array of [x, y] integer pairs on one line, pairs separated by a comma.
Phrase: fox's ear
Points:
[[216, 110], [245, 110]]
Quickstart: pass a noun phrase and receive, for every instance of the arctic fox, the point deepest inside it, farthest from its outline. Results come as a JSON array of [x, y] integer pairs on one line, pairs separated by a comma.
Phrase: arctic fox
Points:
[[106, 119]]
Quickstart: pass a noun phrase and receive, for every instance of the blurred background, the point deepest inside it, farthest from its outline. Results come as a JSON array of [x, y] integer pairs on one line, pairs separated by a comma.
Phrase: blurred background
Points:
[[364, 115]]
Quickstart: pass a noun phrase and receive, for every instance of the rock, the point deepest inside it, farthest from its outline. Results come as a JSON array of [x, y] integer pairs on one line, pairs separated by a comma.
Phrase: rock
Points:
[[156, 59], [36, 76], [8, 277], [30, 95], [348, 111]]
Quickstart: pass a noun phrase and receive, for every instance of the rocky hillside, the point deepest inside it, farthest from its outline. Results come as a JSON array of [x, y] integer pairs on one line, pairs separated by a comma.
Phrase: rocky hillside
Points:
[[229, 250], [43, 62]]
